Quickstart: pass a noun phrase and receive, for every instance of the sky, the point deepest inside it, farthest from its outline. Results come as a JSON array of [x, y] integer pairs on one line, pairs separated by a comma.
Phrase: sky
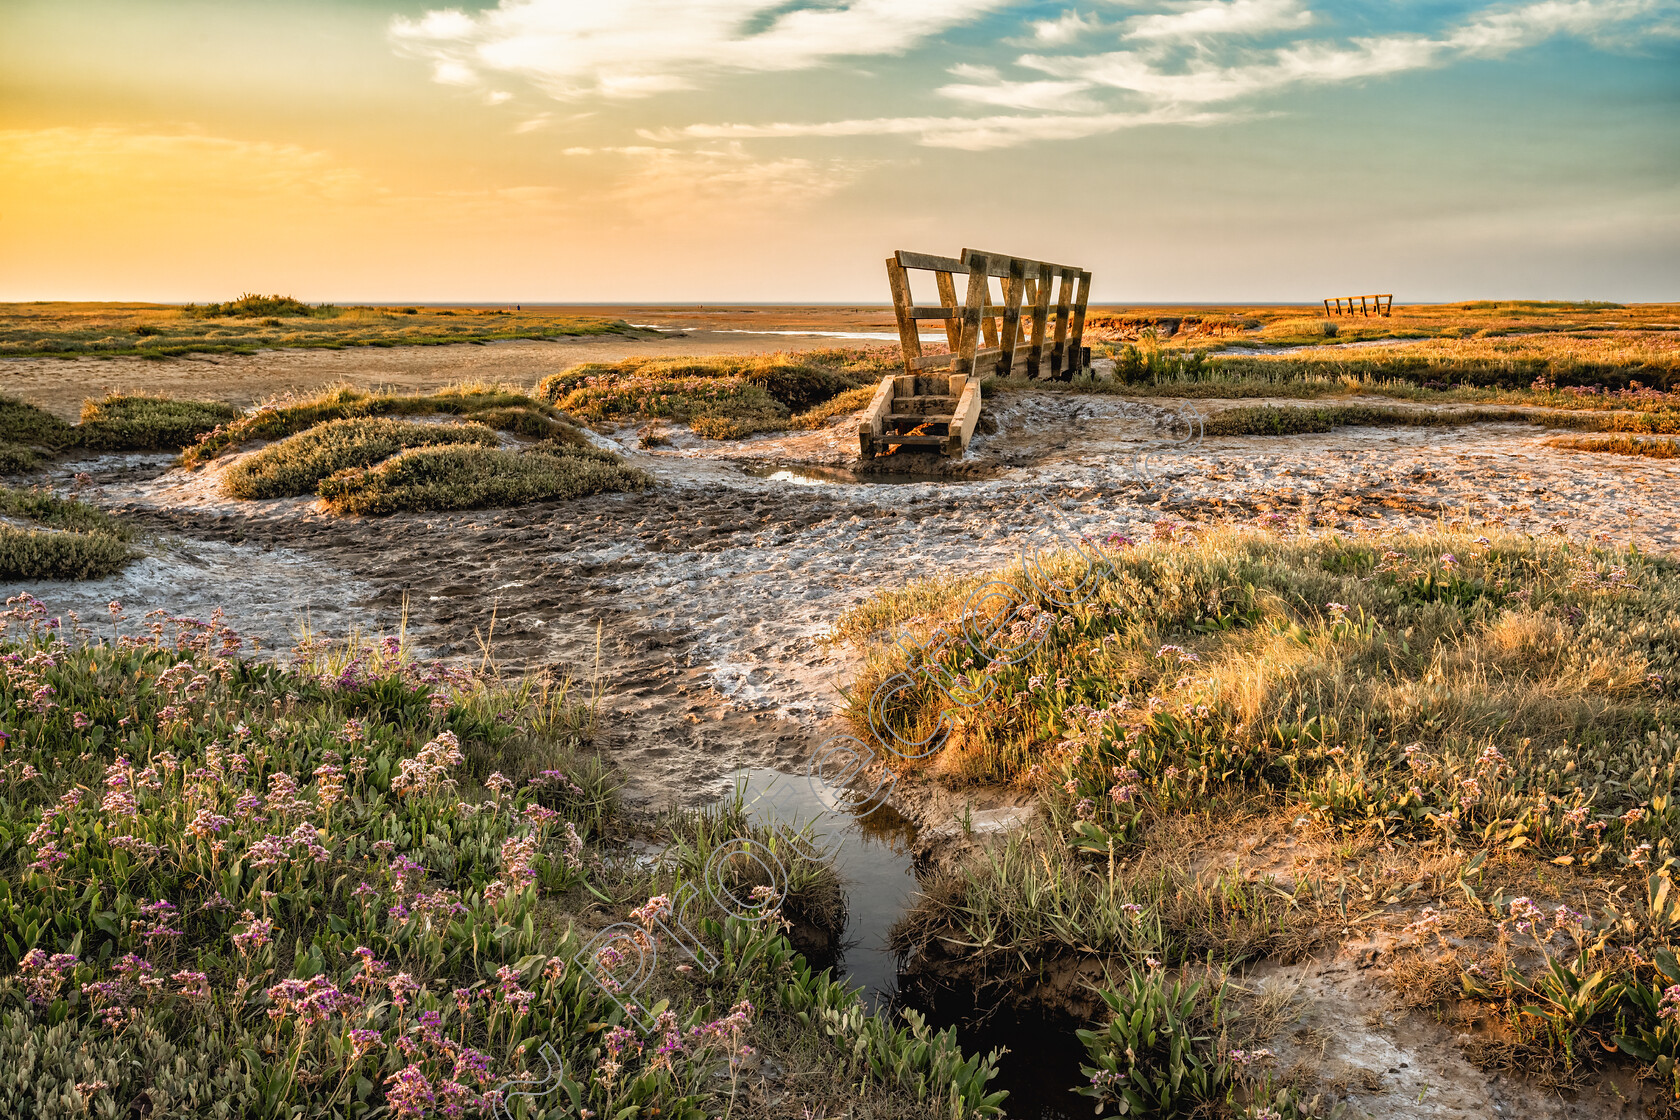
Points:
[[778, 150]]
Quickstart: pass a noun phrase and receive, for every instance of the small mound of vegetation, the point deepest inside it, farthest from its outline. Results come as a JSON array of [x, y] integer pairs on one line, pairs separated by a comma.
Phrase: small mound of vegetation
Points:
[[1310, 329], [1619, 445], [722, 398], [147, 423], [457, 477], [251, 306], [295, 465], [64, 538], [490, 405], [24, 425]]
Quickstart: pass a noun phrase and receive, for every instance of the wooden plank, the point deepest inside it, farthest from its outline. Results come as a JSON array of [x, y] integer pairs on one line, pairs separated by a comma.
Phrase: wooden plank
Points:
[[1040, 315], [948, 298], [1013, 284], [988, 322], [891, 440], [1076, 333], [977, 292], [873, 421], [909, 341], [963, 420], [994, 311], [934, 361], [997, 264], [1058, 345], [928, 262]]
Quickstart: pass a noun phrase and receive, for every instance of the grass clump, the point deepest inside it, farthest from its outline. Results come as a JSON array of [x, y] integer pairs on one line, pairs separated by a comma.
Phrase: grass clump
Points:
[[26, 427], [295, 465], [251, 306], [722, 398], [490, 405], [147, 423], [59, 538], [1619, 445], [468, 477]]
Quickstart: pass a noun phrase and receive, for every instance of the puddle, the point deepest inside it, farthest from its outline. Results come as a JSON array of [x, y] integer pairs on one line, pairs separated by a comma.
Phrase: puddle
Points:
[[872, 855], [822, 476]]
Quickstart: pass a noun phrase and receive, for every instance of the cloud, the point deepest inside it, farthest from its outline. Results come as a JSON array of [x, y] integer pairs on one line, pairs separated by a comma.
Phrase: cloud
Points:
[[574, 49], [1047, 96], [1163, 74], [968, 133], [1238, 17], [1064, 29]]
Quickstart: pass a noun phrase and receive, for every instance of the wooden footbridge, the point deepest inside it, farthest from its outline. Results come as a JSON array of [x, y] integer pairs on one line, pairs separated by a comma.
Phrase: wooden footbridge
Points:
[[1380, 305], [1035, 329]]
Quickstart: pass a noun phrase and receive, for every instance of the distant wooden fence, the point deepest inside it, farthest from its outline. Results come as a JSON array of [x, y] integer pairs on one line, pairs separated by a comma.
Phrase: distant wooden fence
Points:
[[1377, 304], [986, 337]]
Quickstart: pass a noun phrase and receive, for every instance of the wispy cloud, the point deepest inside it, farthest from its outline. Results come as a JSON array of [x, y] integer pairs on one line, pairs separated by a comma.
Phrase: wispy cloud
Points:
[[636, 48], [1235, 17], [969, 133]]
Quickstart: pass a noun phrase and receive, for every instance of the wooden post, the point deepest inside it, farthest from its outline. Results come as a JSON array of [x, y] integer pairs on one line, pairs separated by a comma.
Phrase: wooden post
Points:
[[1040, 315], [1327, 309], [988, 324], [1013, 287], [909, 338], [1077, 339], [978, 290], [948, 298], [1060, 363]]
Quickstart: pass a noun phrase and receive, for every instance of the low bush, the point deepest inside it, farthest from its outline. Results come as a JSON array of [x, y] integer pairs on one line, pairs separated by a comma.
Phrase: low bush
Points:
[[490, 405], [295, 465], [145, 423], [24, 424], [1619, 445], [455, 477], [46, 509], [722, 398], [1302, 328], [37, 554], [251, 306], [16, 459]]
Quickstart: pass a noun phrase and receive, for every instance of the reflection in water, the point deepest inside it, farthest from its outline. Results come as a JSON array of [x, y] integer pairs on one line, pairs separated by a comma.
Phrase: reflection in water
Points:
[[871, 854]]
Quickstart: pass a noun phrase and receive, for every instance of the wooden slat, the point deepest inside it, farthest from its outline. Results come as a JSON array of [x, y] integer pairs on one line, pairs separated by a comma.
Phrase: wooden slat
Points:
[[996, 310], [928, 262], [872, 423], [1064, 304], [997, 264], [948, 298], [909, 341], [1076, 334], [913, 441], [1013, 288], [964, 418], [1040, 314], [972, 313]]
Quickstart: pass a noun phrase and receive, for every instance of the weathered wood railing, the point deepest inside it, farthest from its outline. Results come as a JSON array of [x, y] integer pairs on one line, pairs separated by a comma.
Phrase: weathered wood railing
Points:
[[1377, 304], [1012, 334]]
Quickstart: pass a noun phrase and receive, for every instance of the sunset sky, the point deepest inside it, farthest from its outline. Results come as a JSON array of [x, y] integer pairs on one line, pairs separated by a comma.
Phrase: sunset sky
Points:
[[777, 150]]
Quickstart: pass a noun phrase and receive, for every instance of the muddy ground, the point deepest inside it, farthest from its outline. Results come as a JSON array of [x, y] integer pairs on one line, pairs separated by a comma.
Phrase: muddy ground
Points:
[[702, 607]]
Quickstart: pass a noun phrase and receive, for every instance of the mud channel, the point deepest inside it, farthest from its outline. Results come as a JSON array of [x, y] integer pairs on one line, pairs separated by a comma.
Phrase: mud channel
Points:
[[702, 610]]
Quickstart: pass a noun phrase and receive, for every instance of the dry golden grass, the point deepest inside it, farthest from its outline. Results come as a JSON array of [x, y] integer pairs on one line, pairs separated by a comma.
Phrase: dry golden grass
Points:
[[163, 330]]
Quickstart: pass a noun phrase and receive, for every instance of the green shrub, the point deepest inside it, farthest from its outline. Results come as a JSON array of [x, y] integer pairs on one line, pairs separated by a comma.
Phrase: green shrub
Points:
[[491, 405], [1302, 328], [440, 478], [145, 423], [43, 508], [294, 465], [59, 554], [1158, 1056], [32, 426], [724, 397], [251, 306], [16, 459]]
